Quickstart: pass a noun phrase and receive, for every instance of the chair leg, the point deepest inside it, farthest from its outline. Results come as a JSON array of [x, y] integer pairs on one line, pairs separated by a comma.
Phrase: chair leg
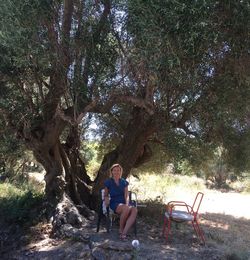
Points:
[[135, 228], [100, 214], [164, 226], [108, 221], [168, 229], [166, 223], [195, 228], [198, 230]]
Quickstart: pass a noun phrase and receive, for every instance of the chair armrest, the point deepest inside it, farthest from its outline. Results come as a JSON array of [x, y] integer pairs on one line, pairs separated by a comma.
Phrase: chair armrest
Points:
[[132, 198], [175, 203]]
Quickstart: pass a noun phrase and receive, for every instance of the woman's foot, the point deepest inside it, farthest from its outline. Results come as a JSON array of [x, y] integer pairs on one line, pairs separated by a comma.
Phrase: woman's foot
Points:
[[123, 237]]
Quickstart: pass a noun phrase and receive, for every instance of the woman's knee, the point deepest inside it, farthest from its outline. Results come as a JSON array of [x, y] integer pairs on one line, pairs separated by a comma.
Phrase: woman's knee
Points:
[[122, 209], [126, 209], [134, 211]]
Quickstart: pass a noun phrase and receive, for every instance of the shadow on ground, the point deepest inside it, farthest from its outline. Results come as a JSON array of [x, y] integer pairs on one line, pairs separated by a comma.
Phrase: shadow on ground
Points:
[[227, 237]]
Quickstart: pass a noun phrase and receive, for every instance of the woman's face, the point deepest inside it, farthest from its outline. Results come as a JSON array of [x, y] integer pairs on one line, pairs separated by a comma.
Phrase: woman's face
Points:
[[116, 172]]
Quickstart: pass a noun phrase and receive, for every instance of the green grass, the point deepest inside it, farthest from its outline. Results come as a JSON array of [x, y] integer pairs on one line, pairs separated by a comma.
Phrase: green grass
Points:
[[19, 203]]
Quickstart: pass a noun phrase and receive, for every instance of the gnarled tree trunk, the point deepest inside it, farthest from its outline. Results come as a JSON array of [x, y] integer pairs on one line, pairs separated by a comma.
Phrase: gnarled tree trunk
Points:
[[65, 180], [77, 178]]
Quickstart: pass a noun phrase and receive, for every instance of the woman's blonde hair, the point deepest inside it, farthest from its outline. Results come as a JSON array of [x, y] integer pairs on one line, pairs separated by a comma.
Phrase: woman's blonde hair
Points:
[[113, 166]]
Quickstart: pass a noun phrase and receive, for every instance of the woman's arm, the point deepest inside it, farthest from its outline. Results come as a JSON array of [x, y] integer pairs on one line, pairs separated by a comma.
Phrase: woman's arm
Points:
[[126, 195]]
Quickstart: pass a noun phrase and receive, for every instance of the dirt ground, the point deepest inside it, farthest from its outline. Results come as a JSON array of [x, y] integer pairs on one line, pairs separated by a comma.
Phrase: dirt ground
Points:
[[224, 220], [183, 245]]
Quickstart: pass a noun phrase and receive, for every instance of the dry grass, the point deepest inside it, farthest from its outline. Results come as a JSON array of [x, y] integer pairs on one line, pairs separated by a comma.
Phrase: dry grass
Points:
[[225, 216]]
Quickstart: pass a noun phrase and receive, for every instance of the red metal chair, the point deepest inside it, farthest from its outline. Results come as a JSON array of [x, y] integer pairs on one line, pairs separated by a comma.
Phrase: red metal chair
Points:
[[180, 211]]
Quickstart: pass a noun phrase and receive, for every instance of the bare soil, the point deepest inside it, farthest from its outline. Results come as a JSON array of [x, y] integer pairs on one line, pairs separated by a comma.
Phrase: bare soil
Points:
[[224, 220]]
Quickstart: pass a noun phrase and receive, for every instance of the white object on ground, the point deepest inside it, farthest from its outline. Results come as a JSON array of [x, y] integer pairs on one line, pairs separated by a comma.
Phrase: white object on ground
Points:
[[136, 244]]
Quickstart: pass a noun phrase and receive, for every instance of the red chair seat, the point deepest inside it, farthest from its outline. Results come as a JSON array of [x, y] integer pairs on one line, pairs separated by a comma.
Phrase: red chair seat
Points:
[[179, 216]]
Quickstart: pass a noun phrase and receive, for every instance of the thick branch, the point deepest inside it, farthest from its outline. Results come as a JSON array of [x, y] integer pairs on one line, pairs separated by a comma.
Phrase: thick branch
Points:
[[101, 24], [100, 28], [66, 26], [115, 100], [56, 86]]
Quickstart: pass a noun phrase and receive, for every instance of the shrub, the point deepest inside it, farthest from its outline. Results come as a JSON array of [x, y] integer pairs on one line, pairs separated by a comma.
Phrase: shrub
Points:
[[19, 204]]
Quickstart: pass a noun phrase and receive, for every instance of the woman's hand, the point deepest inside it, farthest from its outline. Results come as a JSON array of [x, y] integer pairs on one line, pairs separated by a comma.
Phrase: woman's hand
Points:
[[126, 196]]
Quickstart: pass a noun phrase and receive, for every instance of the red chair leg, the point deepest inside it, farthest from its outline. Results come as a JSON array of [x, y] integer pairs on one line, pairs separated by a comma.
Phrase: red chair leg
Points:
[[168, 230], [201, 235], [164, 226], [198, 230], [195, 228]]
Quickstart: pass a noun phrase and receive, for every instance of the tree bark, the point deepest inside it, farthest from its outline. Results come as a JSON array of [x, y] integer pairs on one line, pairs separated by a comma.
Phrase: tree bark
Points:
[[78, 179], [45, 144], [66, 174], [65, 171]]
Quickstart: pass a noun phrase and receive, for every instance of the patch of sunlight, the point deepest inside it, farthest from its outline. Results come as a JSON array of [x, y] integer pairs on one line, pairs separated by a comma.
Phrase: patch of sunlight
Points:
[[216, 224]]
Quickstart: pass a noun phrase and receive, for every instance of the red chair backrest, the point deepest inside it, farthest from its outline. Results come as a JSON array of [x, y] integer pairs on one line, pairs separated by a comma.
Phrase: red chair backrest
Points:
[[197, 203]]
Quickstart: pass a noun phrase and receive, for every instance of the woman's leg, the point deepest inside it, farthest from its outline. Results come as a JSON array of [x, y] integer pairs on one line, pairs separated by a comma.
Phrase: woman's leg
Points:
[[123, 210], [130, 219]]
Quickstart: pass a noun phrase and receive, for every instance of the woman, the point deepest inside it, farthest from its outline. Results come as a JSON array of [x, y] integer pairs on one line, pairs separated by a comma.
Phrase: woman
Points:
[[117, 188]]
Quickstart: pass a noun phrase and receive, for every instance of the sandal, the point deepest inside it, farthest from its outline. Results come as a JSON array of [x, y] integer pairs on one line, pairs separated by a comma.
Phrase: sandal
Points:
[[123, 237]]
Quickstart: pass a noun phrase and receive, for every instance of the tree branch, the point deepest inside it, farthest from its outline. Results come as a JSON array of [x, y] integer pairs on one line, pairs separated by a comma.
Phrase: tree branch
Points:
[[97, 107], [105, 13], [66, 27]]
